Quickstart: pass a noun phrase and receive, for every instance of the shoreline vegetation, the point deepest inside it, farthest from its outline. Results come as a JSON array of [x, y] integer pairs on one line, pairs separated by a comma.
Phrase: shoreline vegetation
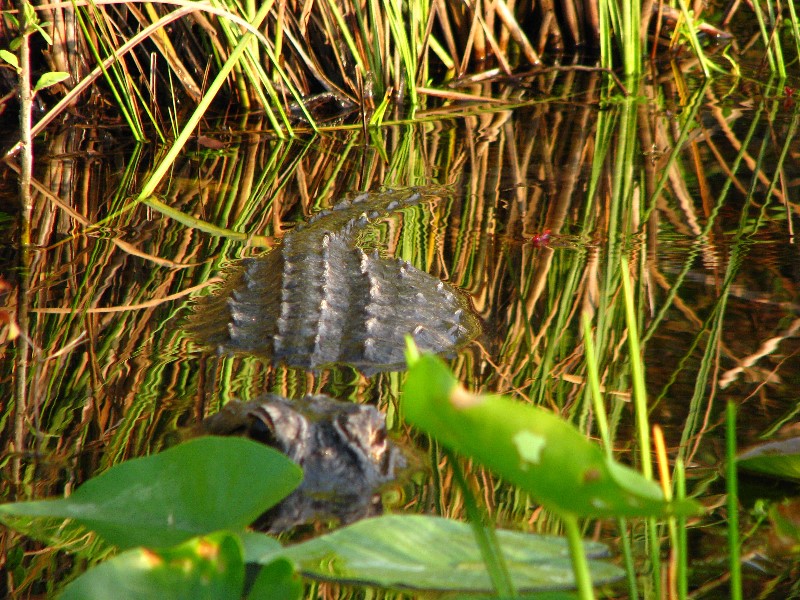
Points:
[[300, 62]]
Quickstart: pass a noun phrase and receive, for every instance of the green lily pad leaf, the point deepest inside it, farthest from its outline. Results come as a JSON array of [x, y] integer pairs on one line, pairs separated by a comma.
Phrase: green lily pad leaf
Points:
[[202, 568], [434, 554], [529, 447], [277, 581], [779, 458], [260, 547], [197, 487]]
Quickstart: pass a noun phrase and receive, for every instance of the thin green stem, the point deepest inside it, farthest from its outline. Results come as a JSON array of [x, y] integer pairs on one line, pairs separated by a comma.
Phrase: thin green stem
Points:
[[627, 558], [580, 566], [733, 503], [688, 125], [696, 45], [637, 372], [775, 39], [485, 536], [795, 27], [631, 39], [642, 422], [594, 383], [681, 568], [764, 35]]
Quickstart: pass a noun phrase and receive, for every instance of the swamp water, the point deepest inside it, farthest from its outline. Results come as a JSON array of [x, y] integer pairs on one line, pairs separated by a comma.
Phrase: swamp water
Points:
[[696, 188]]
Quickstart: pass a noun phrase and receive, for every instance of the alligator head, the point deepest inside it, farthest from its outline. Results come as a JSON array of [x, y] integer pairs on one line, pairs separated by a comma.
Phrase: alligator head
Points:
[[343, 448]]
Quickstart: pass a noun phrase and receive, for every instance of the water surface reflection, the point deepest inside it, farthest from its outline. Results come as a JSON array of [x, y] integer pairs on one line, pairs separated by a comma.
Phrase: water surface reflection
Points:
[[695, 191]]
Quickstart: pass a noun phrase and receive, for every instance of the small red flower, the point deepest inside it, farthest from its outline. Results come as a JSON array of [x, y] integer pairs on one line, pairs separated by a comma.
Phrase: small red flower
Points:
[[541, 239]]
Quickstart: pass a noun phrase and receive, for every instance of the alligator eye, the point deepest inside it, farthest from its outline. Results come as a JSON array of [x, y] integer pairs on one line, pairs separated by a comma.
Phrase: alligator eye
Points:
[[262, 427], [379, 437]]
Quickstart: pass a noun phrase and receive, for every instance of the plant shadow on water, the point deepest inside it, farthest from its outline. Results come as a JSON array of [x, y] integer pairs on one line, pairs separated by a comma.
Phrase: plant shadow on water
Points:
[[694, 191]]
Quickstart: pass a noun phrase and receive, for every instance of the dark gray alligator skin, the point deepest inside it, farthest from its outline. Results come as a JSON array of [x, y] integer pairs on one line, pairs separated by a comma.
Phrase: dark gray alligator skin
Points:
[[342, 448], [320, 300]]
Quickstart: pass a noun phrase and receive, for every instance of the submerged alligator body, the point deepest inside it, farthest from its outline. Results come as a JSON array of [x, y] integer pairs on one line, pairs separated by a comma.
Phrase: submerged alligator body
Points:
[[320, 300], [343, 449]]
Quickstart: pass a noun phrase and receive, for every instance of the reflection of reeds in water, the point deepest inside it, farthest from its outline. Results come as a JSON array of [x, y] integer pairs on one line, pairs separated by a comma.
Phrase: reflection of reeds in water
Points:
[[113, 374]]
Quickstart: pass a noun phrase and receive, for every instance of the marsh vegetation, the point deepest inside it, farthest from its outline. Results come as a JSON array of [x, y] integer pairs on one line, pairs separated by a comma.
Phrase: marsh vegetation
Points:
[[627, 243]]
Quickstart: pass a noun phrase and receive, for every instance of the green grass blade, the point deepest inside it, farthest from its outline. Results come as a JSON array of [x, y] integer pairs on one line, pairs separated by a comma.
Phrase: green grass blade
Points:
[[484, 536], [691, 32], [166, 163], [594, 384], [734, 546], [682, 568]]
